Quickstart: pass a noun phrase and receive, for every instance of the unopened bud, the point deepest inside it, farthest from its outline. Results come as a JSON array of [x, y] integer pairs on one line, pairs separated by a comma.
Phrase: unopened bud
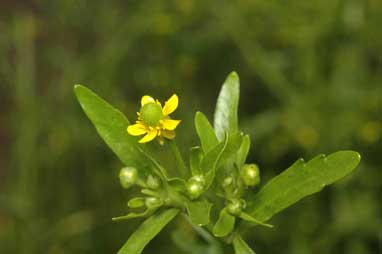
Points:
[[136, 202], [227, 181], [151, 202], [250, 174], [153, 182], [236, 206], [195, 186], [128, 176]]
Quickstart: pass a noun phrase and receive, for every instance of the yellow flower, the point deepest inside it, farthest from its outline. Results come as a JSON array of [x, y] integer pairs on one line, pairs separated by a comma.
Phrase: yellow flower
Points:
[[154, 120]]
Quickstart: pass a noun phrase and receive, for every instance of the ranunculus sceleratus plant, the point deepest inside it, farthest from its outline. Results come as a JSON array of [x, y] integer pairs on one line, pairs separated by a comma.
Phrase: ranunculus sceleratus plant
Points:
[[215, 189]]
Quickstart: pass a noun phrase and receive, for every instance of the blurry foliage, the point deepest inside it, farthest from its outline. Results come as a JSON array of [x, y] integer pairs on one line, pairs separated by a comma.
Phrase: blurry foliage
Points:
[[311, 75]]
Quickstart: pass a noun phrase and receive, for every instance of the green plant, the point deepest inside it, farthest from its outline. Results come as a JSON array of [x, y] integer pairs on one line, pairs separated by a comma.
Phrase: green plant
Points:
[[216, 190]]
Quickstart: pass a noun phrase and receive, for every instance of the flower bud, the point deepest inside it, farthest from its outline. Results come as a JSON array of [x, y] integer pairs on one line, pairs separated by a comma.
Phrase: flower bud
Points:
[[153, 182], [228, 181], [195, 186], [250, 174], [151, 202], [151, 113], [236, 206], [128, 176], [136, 202]]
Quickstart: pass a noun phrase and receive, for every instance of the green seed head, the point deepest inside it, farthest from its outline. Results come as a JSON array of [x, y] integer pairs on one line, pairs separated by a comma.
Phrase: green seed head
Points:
[[128, 176], [151, 113], [250, 174]]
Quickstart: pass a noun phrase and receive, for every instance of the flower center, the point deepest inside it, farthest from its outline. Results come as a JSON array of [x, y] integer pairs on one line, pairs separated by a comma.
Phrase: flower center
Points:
[[151, 114]]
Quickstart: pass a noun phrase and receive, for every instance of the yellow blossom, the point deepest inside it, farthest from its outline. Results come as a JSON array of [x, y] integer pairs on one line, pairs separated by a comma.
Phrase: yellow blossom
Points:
[[154, 120]]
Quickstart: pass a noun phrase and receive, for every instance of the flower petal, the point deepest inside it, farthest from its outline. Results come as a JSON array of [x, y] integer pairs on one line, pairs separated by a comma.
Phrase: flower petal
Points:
[[170, 105], [168, 134], [146, 99], [136, 129], [170, 124], [149, 136]]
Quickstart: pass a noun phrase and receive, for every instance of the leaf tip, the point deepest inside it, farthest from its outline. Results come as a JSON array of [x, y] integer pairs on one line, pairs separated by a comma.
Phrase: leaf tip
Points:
[[233, 75], [77, 86]]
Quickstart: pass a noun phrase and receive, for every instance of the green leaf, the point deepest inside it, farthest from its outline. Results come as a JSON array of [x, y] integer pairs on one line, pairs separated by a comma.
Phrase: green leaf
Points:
[[177, 183], [205, 132], [210, 161], [111, 125], [233, 144], [199, 211], [250, 218], [191, 244], [240, 246], [147, 231], [224, 225], [196, 155], [225, 119], [242, 153], [300, 180], [130, 216]]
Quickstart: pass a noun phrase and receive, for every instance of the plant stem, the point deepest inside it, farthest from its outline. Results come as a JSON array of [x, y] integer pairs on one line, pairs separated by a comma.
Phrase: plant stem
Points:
[[182, 166]]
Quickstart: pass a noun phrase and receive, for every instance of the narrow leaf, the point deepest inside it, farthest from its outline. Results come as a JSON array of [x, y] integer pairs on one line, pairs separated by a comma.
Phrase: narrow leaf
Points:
[[240, 246], [250, 218], [177, 183], [205, 132], [199, 211], [224, 225], [225, 119], [196, 155], [242, 153], [130, 216], [230, 151], [300, 180], [111, 125], [147, 231], [210, 161]]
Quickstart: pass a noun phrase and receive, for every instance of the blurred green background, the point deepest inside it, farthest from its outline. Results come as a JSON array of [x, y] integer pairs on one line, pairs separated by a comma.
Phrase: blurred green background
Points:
[[311, 78]]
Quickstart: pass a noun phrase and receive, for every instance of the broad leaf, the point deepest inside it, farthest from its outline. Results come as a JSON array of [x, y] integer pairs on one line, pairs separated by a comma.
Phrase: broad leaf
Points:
[[111, 125], [224, 225], [147, 231], [225, 118], [199, 211], [205, 132], [240, 246], [300, 180]]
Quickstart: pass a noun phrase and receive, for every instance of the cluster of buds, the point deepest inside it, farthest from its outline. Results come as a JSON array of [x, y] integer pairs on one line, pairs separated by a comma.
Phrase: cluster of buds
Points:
[[128, 177]]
